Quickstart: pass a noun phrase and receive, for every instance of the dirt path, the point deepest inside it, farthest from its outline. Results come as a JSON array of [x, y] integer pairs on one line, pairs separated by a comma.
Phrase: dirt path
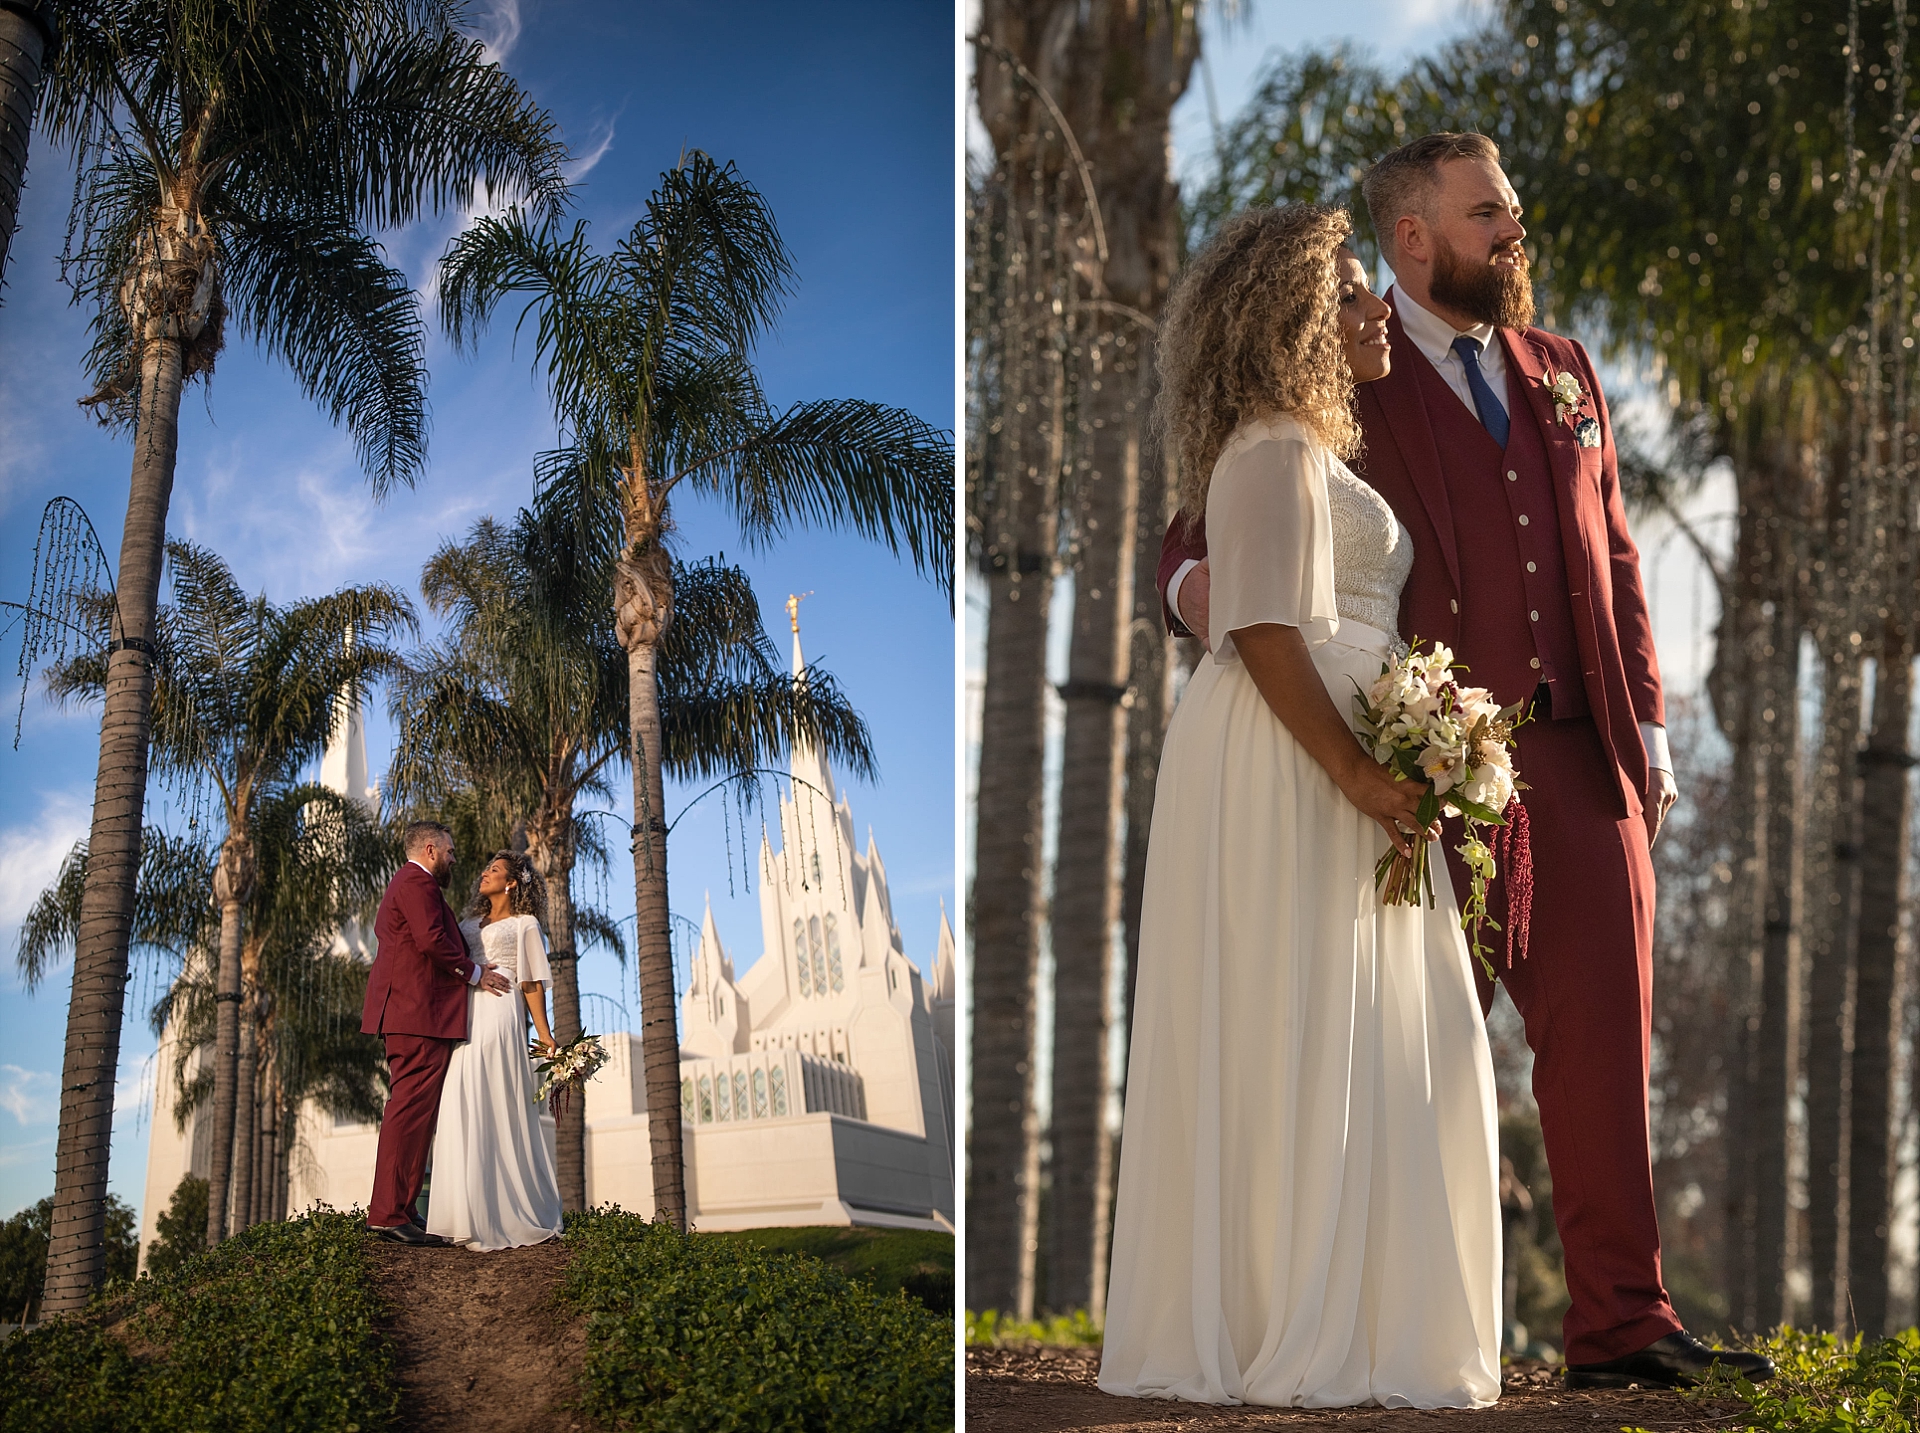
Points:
[[1051, 1390], [481, 1345]]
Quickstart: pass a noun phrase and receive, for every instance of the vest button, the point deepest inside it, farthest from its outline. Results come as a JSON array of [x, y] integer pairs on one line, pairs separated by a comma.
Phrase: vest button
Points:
[[1534, 662], [1533, 616], [1530, 567], [1454, 603], [1512, 476], [1523, 519]]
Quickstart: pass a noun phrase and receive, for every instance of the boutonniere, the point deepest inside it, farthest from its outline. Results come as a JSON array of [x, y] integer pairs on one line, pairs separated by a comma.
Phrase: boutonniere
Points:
[[1568, 399]]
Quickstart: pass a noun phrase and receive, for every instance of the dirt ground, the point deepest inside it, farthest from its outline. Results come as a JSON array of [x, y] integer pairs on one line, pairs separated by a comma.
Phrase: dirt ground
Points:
[[1051, 1390], [481, 1345]]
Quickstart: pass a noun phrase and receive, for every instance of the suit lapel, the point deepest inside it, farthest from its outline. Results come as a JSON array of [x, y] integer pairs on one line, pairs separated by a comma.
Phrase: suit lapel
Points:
[[1411, 430], [1531, 362]]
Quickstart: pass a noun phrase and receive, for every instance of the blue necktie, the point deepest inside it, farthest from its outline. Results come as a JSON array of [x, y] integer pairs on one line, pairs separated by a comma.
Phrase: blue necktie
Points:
[[1492, 415]]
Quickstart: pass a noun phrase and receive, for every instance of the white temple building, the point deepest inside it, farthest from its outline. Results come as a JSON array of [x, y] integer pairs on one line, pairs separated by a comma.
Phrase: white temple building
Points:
[[816, 1087]]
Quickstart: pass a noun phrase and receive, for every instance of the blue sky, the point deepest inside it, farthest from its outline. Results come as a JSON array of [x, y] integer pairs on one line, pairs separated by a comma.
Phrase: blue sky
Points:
[[841, 114]]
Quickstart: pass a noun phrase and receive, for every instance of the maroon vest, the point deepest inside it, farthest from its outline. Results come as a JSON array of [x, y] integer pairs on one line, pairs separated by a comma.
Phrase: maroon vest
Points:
[[1516, 619]]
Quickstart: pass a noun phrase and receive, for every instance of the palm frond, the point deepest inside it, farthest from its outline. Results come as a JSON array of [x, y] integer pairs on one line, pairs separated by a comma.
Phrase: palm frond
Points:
[[316, 291], [843, 463]]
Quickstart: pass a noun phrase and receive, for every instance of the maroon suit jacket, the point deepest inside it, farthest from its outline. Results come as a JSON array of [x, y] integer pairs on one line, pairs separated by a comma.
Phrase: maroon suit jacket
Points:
[[421, 970], [1619, 670]]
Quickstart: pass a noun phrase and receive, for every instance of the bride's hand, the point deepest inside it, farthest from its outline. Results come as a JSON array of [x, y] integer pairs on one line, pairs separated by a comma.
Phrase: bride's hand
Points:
[[1393, 804]]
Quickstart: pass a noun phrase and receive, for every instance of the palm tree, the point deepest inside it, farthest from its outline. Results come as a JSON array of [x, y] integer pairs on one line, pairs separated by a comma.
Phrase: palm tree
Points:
[[249, 154], [524, 703], [246, 696], [648, 356], [26, 34]]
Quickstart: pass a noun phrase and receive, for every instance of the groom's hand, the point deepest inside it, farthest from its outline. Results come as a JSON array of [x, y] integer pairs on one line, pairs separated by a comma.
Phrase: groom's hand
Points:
[[1661, 794], [1194, 594], [493, 982]]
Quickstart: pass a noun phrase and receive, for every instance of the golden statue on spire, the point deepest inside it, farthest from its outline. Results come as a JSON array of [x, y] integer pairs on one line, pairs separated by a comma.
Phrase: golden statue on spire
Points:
[[793, 609]]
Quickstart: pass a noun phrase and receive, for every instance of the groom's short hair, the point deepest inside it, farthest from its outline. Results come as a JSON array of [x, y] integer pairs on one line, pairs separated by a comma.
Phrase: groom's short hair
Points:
[[418, 833], [1402, 182]]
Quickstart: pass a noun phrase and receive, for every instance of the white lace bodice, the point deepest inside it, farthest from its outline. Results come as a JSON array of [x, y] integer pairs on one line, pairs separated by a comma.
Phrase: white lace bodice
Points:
[[1372, 552], [514, 945]]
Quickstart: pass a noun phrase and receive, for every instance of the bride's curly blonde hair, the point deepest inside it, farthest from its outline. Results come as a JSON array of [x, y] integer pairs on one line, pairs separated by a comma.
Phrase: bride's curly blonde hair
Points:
[[1252, 328]]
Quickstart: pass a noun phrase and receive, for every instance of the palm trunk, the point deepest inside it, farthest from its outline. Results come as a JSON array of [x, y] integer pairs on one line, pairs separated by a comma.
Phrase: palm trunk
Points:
[[1826, 940], [1777, 1066], [653, 942], [76, 1250], [1086, 902], [553, 857], [246, 1125], [1743, 947], [26, 34], [1885, 810], [230, 886]]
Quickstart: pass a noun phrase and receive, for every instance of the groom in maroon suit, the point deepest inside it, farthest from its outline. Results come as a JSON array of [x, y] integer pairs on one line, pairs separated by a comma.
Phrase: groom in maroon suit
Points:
[[1491, 441], [417, 999]]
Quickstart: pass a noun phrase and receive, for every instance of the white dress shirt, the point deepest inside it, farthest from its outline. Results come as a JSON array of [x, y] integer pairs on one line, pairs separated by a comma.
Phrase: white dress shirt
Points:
[[1434, 337], [473, 979]]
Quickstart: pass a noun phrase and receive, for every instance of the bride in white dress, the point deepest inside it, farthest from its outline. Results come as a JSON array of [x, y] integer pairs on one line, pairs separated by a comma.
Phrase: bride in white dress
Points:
[[1308, 1208], [494, 1181]]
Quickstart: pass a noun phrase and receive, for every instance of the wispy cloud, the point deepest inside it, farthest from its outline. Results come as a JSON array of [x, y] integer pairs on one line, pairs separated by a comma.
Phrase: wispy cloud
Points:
[[30, 855], [30, 1096], [581, 166], [498, 29]]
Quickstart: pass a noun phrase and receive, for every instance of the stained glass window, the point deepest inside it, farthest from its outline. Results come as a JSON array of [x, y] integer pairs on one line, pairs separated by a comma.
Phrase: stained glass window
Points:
[[740, 1107], [706, 1100], [778, 1079], [800, 956], [819, 961], [722, 1098], [686, 1099], [833, 955], [759, 1094]]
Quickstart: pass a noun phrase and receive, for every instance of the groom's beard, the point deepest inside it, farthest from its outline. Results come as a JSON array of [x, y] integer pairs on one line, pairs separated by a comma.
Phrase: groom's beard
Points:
[[1488, 292]]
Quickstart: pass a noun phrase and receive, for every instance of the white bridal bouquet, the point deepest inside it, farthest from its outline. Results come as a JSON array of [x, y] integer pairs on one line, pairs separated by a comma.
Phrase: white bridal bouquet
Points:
[[569, 1066], [1419, 722]]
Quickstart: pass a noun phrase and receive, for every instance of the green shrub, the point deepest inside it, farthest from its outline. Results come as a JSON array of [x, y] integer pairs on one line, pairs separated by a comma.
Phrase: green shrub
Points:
[[919, 1261], [181, 1229], [1825, 1384], [23, 1254], [693, 1334], [274, 1329], [1074, 1330]]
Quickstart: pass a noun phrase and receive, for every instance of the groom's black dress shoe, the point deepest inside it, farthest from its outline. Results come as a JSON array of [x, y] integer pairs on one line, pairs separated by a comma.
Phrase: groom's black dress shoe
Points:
[[1677, 1361], [410, 1234]]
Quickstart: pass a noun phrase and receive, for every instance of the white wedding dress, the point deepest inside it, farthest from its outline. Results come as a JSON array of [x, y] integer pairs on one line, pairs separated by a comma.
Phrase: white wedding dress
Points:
[[1308, 1209], [494, 1185]]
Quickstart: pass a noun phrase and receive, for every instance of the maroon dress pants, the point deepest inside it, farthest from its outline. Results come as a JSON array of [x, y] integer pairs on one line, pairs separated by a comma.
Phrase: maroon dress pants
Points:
[[416, 1069], [1585, 991]]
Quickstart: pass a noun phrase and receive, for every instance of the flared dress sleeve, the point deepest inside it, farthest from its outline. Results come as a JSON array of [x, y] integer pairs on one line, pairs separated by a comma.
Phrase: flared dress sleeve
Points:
[[1270, 540], [534, 964]]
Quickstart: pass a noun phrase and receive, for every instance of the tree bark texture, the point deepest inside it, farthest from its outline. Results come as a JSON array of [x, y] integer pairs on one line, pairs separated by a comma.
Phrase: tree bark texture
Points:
[[246, 1124], [1085, 912], [26, 34], [76, 1252], [1826, 940], [1886, 808], [232, 883], [653, 941], [1777, 1064]]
